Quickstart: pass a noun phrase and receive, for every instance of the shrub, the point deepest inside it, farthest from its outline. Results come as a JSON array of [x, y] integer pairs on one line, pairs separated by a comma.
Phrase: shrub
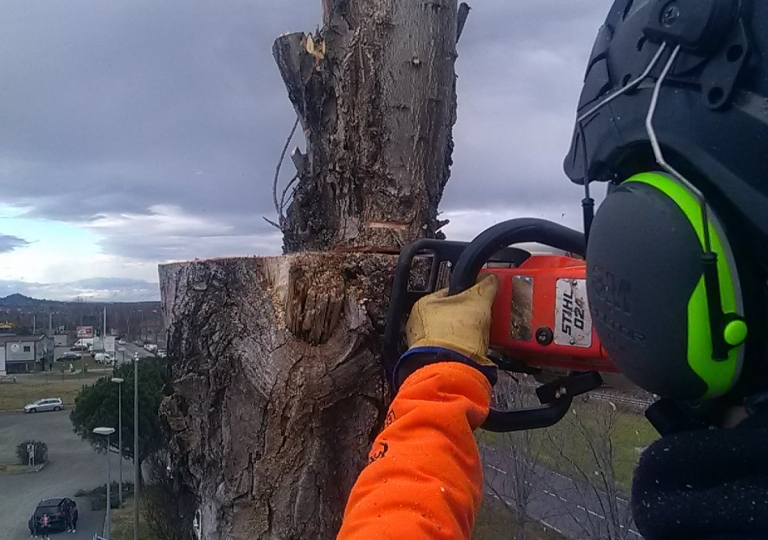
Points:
[[98, 495], [41, 452]]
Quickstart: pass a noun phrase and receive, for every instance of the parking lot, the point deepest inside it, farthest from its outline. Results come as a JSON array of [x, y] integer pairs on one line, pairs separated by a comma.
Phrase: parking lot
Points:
[[72, 465], [123, 352]]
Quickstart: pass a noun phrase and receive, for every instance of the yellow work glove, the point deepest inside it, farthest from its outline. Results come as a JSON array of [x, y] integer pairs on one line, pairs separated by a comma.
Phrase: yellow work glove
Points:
[[440, 324]]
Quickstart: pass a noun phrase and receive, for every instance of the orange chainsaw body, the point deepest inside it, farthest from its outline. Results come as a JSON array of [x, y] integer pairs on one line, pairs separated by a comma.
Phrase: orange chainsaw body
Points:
[[541, 316]]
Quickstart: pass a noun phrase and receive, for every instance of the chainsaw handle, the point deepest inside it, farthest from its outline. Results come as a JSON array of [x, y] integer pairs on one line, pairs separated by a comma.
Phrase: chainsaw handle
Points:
[[464, 276], [507, 233], [528, 418]]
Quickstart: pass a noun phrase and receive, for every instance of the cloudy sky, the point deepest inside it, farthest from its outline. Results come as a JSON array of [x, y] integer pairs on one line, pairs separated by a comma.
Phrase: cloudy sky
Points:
[[135, 132]]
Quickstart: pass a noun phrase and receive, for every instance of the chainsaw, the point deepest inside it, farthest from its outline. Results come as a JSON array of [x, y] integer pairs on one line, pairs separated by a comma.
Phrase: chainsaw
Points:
[[540, 317]]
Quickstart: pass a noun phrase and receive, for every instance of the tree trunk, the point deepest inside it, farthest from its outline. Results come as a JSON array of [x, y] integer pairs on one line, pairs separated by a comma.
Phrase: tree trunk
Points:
[[376, 101], [277, 387], [275, 361]]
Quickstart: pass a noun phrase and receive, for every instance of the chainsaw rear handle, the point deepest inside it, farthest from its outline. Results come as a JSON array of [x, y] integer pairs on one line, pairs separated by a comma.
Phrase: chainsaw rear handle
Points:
[[443, 254], [464, 276]]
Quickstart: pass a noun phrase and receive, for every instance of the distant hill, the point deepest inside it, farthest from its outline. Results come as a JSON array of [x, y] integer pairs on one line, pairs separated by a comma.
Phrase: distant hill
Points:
[[20, 301]]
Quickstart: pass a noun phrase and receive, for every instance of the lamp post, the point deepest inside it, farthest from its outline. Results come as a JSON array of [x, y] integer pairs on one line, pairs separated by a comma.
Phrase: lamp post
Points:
[[107, 431], [136, 468], [120, 382]]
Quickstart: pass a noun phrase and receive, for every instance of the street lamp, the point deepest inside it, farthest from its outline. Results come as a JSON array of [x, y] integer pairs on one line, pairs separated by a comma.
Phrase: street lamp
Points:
[[106, 432], [120, 382], [136, 468]]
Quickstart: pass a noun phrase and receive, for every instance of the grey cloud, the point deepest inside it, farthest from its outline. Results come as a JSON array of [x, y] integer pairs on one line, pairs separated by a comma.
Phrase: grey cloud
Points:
[[102, 289], [180, 248], [9, 243], [123, 103], [520, 71], [115, 107]]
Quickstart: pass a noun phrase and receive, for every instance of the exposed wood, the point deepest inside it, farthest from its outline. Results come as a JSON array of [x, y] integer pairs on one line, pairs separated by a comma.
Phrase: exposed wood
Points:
[[278, 389], [377, 105]]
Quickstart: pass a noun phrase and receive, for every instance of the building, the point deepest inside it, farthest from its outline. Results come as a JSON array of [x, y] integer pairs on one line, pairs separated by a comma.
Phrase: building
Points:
[[25, 354]]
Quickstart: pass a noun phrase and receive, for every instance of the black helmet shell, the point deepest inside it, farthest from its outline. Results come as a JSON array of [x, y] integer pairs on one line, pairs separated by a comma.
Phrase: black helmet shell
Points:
[[712, 114]]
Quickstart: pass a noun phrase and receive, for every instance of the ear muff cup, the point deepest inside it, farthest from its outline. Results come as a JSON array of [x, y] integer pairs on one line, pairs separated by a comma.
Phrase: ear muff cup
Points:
[[646, 289]]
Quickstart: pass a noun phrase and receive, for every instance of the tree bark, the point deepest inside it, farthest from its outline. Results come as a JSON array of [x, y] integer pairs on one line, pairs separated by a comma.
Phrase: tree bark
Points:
[[278, 390], [376, 101], [275, 361]]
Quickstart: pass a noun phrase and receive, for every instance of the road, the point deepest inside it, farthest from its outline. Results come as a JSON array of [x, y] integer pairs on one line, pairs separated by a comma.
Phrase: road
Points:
[[72, 465], [130, 350], [559, 502]]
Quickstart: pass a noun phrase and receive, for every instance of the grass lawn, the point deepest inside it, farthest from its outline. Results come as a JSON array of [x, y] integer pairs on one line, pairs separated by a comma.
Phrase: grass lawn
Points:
[[29, 388], [495, 521], [630, 433], [12, 468], [122, 523]]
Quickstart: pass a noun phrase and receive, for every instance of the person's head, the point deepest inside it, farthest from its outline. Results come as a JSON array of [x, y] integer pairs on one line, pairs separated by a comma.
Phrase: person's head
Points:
[[692, 76]]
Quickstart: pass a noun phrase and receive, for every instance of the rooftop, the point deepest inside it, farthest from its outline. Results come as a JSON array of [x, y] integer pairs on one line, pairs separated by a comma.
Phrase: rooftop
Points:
[[18, 339]]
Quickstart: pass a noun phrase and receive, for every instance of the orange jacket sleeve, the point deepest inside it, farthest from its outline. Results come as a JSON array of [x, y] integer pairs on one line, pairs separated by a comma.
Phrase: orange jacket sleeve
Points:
[[424, 478]]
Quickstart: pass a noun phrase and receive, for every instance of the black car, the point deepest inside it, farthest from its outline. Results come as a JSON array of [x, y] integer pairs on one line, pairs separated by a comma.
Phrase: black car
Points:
[[57, 510], [69, 356]]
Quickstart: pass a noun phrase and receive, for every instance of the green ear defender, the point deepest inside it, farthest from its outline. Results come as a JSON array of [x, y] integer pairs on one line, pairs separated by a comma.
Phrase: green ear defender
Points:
[[664, 290]]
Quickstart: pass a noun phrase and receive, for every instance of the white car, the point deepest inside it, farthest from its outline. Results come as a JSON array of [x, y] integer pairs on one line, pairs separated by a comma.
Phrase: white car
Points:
[[102, 358], [47, 404]]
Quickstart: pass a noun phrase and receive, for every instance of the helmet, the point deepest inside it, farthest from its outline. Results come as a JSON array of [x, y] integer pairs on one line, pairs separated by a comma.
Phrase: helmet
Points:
[[712, 115], [674, 114]]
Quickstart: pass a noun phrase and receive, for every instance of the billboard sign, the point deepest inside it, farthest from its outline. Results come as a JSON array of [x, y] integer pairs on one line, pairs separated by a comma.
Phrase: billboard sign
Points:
[[84, 332], [109, 344]]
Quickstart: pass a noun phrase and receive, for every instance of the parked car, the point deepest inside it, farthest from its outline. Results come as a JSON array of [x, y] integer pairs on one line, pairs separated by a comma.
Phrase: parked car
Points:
[[103, 358], [161, 353], [57, 510], [138, 343], [78, 348], [121, 342], [69, 356], [47, 404]]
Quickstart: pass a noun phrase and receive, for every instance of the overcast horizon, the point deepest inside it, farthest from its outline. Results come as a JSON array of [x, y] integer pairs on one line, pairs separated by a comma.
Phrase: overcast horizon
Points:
[[138, 133]]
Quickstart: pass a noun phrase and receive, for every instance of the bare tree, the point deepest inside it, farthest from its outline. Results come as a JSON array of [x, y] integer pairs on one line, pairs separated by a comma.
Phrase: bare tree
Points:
[[512, 461], [165, 507], [583, 441]]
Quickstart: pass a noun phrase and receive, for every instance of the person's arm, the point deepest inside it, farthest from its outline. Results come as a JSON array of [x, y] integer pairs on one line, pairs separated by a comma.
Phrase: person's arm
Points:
[[424, 478]]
